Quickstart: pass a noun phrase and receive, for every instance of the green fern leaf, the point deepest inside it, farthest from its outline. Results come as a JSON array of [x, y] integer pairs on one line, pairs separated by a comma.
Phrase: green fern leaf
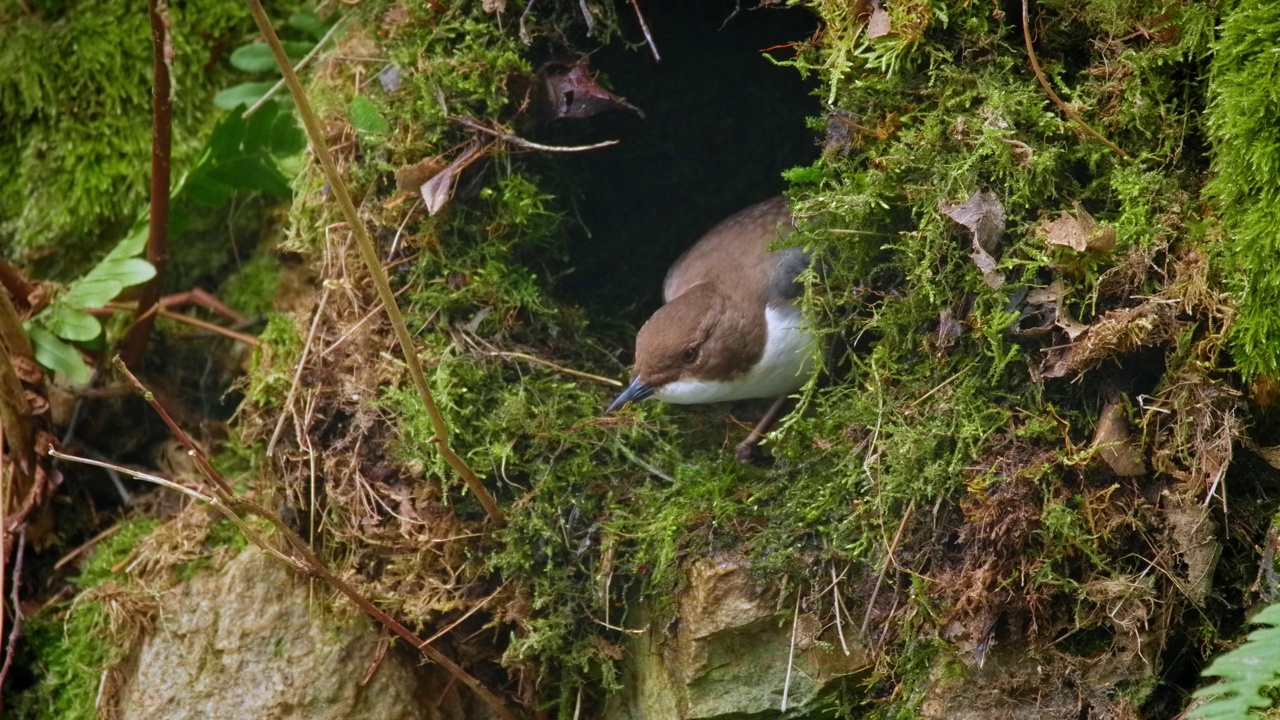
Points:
[[1245, 671]]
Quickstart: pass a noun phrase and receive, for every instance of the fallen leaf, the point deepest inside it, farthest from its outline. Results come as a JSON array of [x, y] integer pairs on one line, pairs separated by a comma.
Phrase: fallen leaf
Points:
[[438, 191], [570, 91], [1114, 439], [983, 216], [948, 329], [879, 24], [1079, 232], [412, 177]]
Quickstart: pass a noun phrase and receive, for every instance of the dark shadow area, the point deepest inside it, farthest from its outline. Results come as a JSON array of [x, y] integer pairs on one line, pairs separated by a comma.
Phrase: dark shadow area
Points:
[[721, 123]]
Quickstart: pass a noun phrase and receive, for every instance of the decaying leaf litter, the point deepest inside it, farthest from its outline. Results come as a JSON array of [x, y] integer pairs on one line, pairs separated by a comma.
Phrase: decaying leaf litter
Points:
[[1068, 485]]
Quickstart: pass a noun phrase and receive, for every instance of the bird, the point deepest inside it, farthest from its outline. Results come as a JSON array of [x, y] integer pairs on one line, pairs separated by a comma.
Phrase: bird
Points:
[[730, 328]]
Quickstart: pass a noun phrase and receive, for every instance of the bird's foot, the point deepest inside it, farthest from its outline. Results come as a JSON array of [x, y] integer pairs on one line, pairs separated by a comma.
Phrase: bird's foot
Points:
[[750, 453]]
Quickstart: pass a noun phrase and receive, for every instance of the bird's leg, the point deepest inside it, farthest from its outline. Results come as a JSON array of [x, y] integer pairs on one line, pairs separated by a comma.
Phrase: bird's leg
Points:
[[749, 449]]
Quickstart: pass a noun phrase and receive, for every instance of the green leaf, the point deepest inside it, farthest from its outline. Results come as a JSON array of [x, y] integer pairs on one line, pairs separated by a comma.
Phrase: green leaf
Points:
[[251, 173], [1245, 672], [131, 245], [106, 280], [57, 355], [258, 57], [286, 137], [242, 94], [69, 323], [253, 58], [308, 22], [366, 118]]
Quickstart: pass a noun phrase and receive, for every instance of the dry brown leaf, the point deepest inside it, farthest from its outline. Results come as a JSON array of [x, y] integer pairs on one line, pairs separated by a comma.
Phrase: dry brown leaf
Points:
[[438, 191], [410, 178], [1079, 232], [570, 90], [983, 216], [879, 24], [1114, 439]]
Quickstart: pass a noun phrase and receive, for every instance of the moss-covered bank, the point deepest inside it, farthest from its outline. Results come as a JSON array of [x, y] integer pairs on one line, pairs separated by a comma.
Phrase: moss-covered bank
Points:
[[1023, 469]]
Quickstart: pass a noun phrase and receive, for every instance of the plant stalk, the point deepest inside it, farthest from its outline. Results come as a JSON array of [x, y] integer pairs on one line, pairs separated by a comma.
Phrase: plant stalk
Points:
[[316, 135]]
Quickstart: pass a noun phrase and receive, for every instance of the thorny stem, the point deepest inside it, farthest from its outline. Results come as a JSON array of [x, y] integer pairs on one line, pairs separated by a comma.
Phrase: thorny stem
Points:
[[316, 136], [134, 345], [297, 554], [1044, 83]]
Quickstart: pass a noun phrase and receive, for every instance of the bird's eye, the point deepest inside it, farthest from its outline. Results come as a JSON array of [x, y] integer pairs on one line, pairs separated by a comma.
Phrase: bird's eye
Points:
[[689, 355]]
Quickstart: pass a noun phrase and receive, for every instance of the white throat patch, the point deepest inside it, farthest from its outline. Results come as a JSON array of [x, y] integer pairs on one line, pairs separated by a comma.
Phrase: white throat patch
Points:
[[784, 366]]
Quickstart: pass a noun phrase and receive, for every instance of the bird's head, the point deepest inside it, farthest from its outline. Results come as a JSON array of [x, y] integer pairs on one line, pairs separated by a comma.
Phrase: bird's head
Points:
[[687, 349]]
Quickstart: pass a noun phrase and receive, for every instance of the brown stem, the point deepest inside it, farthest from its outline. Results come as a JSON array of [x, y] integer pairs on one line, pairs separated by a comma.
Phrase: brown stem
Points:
[[300, 556], [12, 280], [315, 134], [1044, 83], [134, 345]]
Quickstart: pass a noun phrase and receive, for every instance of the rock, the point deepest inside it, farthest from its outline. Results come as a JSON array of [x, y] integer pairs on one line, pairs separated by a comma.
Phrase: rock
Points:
[[246, 642], [725, 656]]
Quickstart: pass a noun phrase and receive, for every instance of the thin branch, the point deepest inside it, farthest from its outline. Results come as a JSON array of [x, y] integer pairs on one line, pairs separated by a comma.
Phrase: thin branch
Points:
[[136, 474], [370, 256], [644, 27], [134, 345], [586, 15], [207, 326], [888, 560], [835, 595], [791, 656], [297, 375], [528, 145], [16, 631], [1044, 83], [558, 368], [296, 68]]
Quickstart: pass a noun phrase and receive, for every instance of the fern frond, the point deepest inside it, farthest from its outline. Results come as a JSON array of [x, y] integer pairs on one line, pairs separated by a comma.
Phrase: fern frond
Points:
[[1245, 671]]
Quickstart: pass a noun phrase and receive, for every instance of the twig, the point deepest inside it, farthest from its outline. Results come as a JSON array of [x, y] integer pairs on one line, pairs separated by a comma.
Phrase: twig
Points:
[[6, 477], [85, 546], [559, 368], [644, 27], [586, 15], [370, 256], [528, 145], [795, 620], [835, 594], [296, 68], [136, 474], [525, 37], [1044, 83], [134, 345], [468, 614], [225, 332], [888, 560], [16, 630], [297, 373]]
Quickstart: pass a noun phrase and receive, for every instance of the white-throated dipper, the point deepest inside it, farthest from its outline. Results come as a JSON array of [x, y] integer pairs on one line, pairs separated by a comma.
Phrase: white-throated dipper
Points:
[[730, 328]]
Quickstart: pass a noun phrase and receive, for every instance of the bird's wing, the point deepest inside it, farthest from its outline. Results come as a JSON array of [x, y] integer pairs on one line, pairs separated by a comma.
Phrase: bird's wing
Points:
[[735, 254]]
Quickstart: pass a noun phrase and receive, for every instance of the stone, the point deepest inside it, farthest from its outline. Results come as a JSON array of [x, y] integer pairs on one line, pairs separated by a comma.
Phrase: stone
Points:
[[725, 654], [246, 641]]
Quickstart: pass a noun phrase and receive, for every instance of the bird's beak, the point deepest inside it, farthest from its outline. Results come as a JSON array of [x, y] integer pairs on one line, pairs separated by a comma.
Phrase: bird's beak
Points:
[[635, 392]]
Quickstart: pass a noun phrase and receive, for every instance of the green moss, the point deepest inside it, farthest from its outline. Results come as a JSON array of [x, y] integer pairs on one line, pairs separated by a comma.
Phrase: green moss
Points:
[[1246, 163], [252, 288], [273, 361], [75, 127], [70, 643], [948, 107]]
